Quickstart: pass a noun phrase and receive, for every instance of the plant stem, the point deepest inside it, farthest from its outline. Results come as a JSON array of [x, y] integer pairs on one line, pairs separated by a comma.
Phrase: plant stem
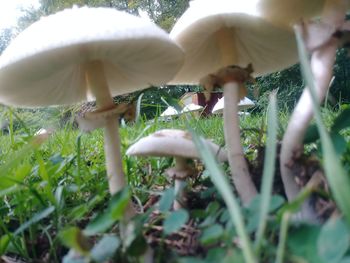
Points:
[[282, 238], [322, 61], [98, 84], [239, 168], [179, 184], [99, 87]]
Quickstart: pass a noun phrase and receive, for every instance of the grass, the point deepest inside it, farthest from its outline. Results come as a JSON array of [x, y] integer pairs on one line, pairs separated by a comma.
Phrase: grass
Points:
[[53, 193]]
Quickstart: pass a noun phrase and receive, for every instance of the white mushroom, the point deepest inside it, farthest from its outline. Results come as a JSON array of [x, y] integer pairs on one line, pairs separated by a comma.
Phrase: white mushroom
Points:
[[178, 144], [192, 107], [322, 44], [169, 112], [218, 34], [88, 53], [243, 104]]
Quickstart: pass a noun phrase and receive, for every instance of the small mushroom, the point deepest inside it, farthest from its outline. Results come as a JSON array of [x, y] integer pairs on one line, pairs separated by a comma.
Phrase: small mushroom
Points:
[[169, 113], [88, 53], [243, 104], [218, 39], [178, 144], [192, 107]]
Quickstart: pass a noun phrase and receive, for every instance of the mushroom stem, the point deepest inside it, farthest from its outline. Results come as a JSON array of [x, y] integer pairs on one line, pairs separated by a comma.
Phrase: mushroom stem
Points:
[[179, 184], [98, 84], [239, 168], [322, 61], [99, 87]]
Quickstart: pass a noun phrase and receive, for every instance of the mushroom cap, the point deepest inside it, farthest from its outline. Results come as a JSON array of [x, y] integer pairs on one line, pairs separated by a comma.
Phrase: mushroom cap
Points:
[[243, 104], [192, 107], [249, 39], [170, 111], [44, 64], [286, 13], [172, 143]]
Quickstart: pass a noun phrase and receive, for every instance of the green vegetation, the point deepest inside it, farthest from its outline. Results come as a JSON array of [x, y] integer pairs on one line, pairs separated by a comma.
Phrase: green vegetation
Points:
[[55, 197], [55, 205]]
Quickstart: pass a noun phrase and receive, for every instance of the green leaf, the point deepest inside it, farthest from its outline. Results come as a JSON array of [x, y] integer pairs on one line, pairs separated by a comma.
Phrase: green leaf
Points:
[[190, 260], [302, 242], [345, 260], [342, 121], [105, 248], [211, 234], [333, 241], [339, 143], [311, 134], [4, 242], [222, 184], [167, 199], [138, 246], [113, 213], [175, 220], [36, 218], [73, 237]]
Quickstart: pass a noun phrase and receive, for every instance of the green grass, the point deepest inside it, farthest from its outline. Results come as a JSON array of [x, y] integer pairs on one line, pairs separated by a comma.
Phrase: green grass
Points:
[[60, 187]]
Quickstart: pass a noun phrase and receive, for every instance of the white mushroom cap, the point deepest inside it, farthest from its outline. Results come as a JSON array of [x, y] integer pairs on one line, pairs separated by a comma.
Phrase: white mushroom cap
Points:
[[247, 38], [170, 111], [44, 64], [286, 13], [172, 143], [243, 104], [192, 107]]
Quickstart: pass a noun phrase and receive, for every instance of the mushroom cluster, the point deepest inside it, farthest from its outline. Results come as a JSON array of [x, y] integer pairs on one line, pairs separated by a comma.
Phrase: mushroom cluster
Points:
[[88, 53]]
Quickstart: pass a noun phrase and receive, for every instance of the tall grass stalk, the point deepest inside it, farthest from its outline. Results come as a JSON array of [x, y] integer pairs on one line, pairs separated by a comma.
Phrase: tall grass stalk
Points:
[[337, 177], [223, 185], [269, 168], [282, 237]]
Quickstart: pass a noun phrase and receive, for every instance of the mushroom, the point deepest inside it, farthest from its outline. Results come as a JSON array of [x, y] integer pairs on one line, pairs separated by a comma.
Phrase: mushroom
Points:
[[194, 108], [322, 42], [243, 104], [169, 112], [218, 38], [88, 53], [178, 144]]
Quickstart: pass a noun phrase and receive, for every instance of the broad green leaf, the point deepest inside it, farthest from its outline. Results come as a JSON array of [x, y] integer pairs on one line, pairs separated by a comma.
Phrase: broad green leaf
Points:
[[105, 248], [342, 121], [36, 218], [138, 246], [211, 234], [302, 242], [4, 242], [339, 143], [190, 260], [167, 200], [311, 134], [113, 213], [74, 238], [175, 220], [333, 241]]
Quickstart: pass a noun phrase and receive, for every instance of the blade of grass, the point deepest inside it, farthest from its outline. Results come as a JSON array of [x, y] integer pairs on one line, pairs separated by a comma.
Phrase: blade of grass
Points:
[[282, 238], [223, 185], [337, 177], [269, 168]]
